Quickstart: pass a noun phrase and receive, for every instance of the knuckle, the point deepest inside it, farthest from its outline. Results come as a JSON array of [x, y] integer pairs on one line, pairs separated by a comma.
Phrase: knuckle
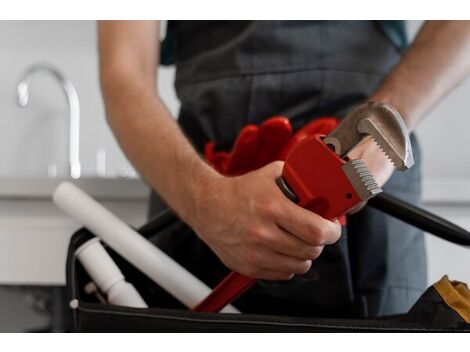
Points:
[[317, 232], [259, 235], [267, 207], [316, 251], [313, 252], [312, 227], [321, 234], [305, 266], [337, 231], [264, 204], [328, 233]]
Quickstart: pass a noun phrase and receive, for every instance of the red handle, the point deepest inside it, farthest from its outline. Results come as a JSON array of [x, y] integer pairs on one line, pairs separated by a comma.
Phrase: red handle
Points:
[[225, 292]]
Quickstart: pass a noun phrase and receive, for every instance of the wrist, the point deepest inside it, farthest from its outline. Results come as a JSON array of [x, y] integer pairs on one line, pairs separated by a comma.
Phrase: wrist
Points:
[[199, 187], [399, 104]]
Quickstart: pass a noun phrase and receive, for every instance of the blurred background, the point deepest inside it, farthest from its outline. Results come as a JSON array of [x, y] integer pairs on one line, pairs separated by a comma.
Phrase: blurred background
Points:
[[34, 154]]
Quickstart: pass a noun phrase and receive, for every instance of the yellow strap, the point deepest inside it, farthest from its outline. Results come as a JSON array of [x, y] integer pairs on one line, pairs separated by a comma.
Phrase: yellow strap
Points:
[[456, 295]]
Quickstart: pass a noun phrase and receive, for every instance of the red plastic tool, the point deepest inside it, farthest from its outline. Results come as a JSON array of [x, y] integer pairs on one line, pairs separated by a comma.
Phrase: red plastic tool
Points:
[[313, 177]]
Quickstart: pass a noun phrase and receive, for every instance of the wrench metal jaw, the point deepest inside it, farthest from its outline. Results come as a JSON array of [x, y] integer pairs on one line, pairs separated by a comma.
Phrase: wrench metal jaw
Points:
[[380, 121], [328, 192], [363, 182]]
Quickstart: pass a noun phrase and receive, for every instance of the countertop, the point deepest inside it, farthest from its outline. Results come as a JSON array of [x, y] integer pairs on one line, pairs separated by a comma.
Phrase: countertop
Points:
[[435, 191], [100, 188]]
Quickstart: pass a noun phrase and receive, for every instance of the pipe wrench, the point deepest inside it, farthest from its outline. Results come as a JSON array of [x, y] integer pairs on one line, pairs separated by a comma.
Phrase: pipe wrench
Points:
[[318, 176]]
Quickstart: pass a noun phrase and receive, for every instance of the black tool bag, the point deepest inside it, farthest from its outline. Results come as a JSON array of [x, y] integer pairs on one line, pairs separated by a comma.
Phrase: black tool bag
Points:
[[432, 312]]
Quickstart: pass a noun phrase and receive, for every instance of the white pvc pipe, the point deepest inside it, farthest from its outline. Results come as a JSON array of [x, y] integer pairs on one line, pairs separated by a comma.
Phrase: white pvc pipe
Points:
[[132, 246], [107, 276]]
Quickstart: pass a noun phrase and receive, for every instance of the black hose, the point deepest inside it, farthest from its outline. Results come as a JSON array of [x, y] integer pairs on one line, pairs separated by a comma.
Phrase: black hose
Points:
[[420, 218]]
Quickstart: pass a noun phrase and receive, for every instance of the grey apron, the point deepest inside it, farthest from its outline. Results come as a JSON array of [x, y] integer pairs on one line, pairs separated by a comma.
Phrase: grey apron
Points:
[[230, 74]]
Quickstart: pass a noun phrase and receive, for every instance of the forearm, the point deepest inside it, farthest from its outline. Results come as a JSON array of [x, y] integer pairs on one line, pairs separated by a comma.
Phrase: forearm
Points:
[[437, 60], [153, 141]]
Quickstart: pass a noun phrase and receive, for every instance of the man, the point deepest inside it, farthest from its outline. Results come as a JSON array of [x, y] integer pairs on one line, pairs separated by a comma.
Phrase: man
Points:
[[230, 74]]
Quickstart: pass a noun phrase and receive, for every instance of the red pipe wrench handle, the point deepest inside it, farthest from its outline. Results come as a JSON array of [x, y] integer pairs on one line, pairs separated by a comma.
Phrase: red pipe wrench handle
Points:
[[228, 290], [313, 177]]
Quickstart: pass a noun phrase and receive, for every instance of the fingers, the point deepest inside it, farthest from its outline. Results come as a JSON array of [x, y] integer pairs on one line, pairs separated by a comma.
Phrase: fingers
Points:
[[275, 239], [286, 264], [308, 226], [300, 222], [261, 260], [285, 243], [276, 266]]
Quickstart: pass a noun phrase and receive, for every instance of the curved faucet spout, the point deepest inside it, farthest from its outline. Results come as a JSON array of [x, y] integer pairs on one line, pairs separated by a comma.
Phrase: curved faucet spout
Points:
[[74, 109]]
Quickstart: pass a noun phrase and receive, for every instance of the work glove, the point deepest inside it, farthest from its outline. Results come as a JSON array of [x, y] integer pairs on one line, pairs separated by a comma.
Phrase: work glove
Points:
[[254, 147], [257, 146]]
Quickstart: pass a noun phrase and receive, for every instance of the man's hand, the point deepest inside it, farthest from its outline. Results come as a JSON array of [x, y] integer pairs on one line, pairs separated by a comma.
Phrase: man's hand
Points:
[[255, 230], [248, 222], [376, 161]]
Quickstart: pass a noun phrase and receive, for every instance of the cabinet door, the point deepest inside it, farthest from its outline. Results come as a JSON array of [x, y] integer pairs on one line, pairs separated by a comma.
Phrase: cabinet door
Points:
[[34, 237]]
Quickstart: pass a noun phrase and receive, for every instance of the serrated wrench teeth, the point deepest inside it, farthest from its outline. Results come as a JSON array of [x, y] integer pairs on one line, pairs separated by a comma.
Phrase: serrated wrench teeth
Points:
[[396, 146], [361, 179], [380, 121]]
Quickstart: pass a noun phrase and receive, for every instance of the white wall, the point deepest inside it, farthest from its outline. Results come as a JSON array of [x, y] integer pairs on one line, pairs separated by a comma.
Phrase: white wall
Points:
[[36, 136], [33, 137], [444, 132]]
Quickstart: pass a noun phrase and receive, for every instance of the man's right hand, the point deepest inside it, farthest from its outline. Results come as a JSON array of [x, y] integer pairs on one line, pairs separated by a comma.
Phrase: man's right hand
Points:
[[246, 220], [255, 230]]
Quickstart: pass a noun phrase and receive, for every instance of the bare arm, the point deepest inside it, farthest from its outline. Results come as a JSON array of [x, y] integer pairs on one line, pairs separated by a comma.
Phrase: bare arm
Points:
[[437, 60], [148, 134], [246, 220]]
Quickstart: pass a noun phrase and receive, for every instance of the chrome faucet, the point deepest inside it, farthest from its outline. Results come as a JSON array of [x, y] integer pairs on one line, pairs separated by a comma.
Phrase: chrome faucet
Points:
[[74, 109]]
